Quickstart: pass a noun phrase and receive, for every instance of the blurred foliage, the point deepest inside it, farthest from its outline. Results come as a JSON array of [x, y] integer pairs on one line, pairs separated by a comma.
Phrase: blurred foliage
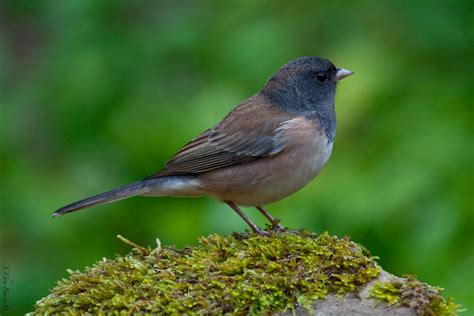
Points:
[[98, 93]]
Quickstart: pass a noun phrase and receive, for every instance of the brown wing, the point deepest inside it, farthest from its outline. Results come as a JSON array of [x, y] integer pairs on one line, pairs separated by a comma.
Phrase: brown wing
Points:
[[247, 133]]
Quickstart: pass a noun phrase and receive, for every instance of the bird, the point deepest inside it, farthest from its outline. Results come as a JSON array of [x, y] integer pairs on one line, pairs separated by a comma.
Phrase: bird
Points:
[[265, 149]]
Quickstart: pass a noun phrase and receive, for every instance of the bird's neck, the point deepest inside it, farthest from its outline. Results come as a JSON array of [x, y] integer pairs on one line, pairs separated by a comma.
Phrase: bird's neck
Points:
[[326, 118], [306, 102]]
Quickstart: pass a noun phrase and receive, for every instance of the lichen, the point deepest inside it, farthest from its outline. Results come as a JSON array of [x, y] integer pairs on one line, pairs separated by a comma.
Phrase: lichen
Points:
[[421, 297], [238, 274]]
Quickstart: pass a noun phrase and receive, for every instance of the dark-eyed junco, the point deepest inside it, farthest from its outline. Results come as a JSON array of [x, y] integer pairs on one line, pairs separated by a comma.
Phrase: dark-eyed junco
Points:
[[265, 149]]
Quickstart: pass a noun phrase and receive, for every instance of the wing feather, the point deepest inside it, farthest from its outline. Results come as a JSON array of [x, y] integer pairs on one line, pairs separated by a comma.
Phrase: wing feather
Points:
[[249, 132]]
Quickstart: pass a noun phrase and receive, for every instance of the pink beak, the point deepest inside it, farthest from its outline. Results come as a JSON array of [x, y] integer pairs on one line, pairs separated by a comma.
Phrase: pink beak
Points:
[[342, 73]]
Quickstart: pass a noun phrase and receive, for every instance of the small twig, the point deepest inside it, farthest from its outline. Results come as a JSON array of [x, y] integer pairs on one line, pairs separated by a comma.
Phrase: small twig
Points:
[[157, 250], [132, 244]]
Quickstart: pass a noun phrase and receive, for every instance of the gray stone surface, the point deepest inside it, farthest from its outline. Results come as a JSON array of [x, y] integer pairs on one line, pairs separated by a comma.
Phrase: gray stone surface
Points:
[[357, 303]]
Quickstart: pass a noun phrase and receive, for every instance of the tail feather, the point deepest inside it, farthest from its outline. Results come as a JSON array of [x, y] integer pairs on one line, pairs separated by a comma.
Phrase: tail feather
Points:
[[126, 191]]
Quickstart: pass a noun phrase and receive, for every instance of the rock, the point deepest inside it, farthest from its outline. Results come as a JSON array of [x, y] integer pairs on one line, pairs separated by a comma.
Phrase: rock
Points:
[[286, 273]]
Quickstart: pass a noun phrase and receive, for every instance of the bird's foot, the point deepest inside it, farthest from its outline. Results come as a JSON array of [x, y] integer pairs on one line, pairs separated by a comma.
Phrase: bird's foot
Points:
[[277, 226], [261, 232]]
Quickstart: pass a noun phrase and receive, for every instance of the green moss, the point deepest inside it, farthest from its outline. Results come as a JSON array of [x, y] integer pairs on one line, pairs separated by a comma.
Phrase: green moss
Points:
[[424, 299], [236, 274]]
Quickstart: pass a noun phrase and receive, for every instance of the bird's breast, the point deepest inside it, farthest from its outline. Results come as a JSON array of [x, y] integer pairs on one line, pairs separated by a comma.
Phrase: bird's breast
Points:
[[306, 158]]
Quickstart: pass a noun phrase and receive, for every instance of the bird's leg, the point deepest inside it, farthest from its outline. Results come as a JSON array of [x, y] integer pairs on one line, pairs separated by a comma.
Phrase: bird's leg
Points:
[[275, 221], [252, 225]]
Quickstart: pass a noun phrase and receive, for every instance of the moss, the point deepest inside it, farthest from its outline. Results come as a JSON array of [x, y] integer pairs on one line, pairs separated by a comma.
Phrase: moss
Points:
[[236, 274], [424, 299]]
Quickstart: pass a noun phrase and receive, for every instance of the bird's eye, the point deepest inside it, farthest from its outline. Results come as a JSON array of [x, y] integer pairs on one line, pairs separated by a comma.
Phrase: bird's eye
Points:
[[321, 77]]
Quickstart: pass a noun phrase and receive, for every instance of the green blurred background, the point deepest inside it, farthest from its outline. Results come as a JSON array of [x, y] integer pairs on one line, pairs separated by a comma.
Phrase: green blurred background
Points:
[[96, 94]]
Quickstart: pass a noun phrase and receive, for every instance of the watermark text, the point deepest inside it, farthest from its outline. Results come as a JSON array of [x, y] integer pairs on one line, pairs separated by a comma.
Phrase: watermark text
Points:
[[6, 282]]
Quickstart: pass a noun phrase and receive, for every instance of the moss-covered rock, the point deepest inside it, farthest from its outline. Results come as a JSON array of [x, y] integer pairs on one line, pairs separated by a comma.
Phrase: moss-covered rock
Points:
[[421, 297], [237, 274]]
